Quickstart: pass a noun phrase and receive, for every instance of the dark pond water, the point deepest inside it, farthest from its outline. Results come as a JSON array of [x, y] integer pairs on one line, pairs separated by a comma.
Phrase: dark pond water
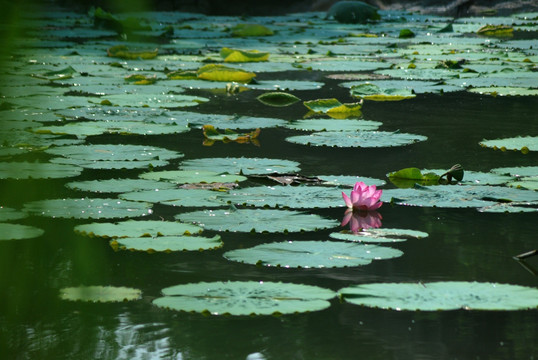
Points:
[[463, 245]]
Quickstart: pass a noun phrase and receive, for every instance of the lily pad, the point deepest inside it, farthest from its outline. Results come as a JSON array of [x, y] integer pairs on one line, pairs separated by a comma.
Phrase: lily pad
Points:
[[155, 100], [245, 298], [373, 92], [192, 176], [257, 220], [87, 208], [82, 129], [251, 30], [137, 228], [211, 135], [167, 243], [456, 196], [238, 55], [523, 144], [333, 107], [100, 294], [334, 125], [244, 166], [517, 171], [353, 12], [442, 295], [297, 197], [278, 99], [177, 197], [379, 235], [349, 180], [123, 52], [357, 139], [118, 185], [119, 152], [28, 170], [17, 231], [216, 72], [9, 214], [504, 91], [312, 254]]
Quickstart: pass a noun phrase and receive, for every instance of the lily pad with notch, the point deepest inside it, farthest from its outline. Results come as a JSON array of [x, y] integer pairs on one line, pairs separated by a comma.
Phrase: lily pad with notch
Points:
[[257, 220], [137, 228], [442, 295], [245, 298], [242, 165], [363, 139], [312, 254], [167, 243], [379, 235]]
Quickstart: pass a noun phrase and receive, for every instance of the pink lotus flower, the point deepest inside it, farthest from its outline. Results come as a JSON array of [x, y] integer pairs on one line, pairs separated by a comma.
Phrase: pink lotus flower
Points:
[[360, 220], [363, 197]]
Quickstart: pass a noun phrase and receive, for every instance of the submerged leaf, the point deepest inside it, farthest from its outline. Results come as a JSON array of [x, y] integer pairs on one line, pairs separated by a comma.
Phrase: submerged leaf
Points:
[[100, 294], [245, 298]]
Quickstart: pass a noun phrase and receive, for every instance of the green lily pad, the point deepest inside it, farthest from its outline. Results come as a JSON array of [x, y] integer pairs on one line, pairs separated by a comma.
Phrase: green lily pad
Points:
[[517, 171], [81, 129], [111, 164], [511, 207], [118, 185], [333, 107], [167, 243], [379, 235], [373, 92], [504, 91], [407, 177], [357, 139], [349, 180], [87, 208], [155, 100], [100, 294], [244, 166], [28, 170], [245, 298], [523, 144], [177, 197], [9, 214], [62, 74], [119, 152], [353, 12], [257, 220], [17, 232], [334, 125], [312, 254], [211, 135], [442, 295], [297, 197], [192, 176], [456, 196], [123, 52], [278, 99], [529, 182], [137, 228]]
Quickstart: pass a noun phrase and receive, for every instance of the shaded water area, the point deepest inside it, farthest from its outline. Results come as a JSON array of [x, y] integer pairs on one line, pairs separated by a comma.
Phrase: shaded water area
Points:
[[463, 244]]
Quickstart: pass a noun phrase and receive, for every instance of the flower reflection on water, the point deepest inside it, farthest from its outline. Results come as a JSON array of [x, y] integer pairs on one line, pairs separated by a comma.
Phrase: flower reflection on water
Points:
[[359, 220]]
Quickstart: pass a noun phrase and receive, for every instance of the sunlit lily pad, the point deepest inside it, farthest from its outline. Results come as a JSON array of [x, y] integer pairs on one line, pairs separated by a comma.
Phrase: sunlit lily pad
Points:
[[245, 298], [517, 171], [17, 231], [212, 135], [357, 139], [528, 182], [123, 52], [28, 170], [257, 220], [167, 243], [118, 185], [523, 144], [100, 294], [238, 55], [216, 72], [286, 196], [113, 153], [312, 254], [334, 125], [379, 235], [87, 208], [511, 207], [442, 295], [333, 107], [137, 228], [457, 196], [373, 92], [244, 166], [156, 100], [192, 176]]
